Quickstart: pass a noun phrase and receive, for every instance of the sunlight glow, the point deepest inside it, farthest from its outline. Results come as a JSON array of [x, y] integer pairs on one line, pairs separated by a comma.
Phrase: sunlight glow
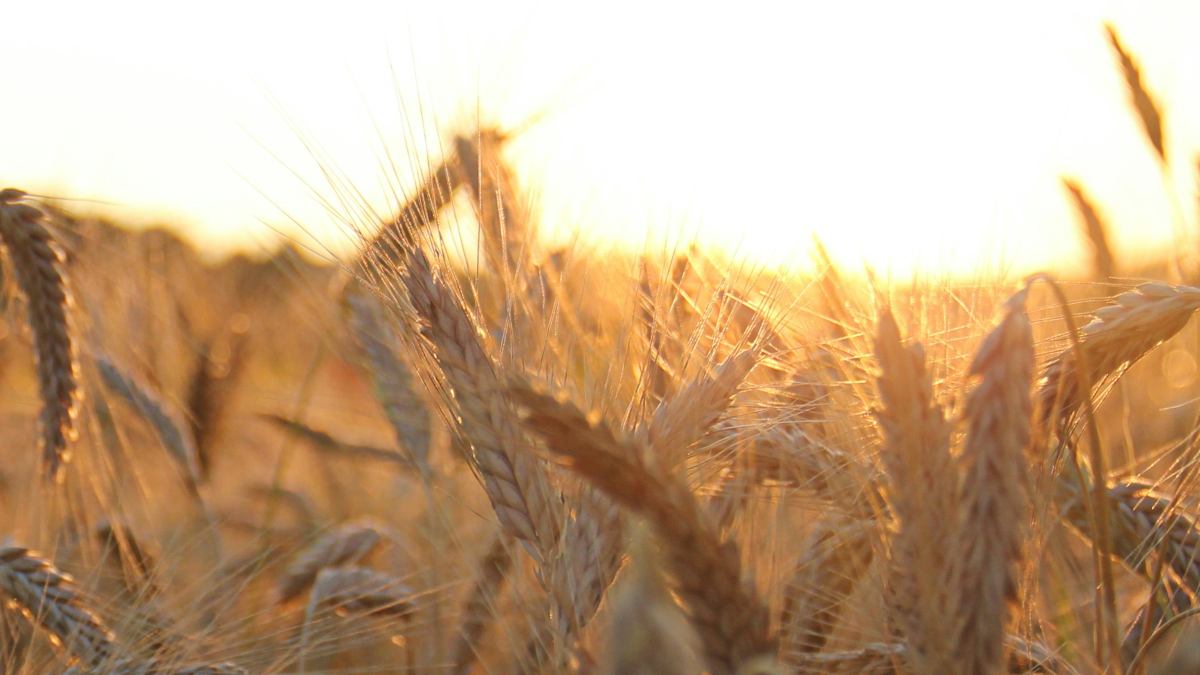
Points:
[[923, 135]]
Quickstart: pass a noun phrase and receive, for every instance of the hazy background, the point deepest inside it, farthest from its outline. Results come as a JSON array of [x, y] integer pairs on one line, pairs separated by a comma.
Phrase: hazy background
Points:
[[930, 135]]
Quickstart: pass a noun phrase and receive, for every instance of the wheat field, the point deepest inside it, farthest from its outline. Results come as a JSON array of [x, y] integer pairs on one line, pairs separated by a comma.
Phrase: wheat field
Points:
[[529, 459]]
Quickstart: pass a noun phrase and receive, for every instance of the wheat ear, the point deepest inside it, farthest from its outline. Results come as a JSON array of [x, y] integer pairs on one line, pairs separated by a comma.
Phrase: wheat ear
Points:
[[494, 196], [1119, 334], [175, 435], [389, 247], [51, 600], [646, 633], [1104, 265], [835, 558], [729, 616], [880, 658], [344, 545], [479, 609], [324, 442], [592, 541], [524, 501], [923, 497], [38, 265], [994, 490], [405, 410], [359, 590], [209, 395], [1145, 523], [1147, 109], [685, 416]]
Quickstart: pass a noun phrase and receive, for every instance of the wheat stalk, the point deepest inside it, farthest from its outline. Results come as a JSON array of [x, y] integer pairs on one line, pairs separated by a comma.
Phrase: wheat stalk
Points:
[[38, 265]]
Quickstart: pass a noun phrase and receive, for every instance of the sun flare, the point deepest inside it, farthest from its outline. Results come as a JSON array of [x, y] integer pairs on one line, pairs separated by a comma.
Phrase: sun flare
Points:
[[924, 136]]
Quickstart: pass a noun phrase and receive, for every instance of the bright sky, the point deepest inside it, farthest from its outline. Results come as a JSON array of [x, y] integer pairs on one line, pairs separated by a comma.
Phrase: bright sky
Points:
[[917, 134]]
